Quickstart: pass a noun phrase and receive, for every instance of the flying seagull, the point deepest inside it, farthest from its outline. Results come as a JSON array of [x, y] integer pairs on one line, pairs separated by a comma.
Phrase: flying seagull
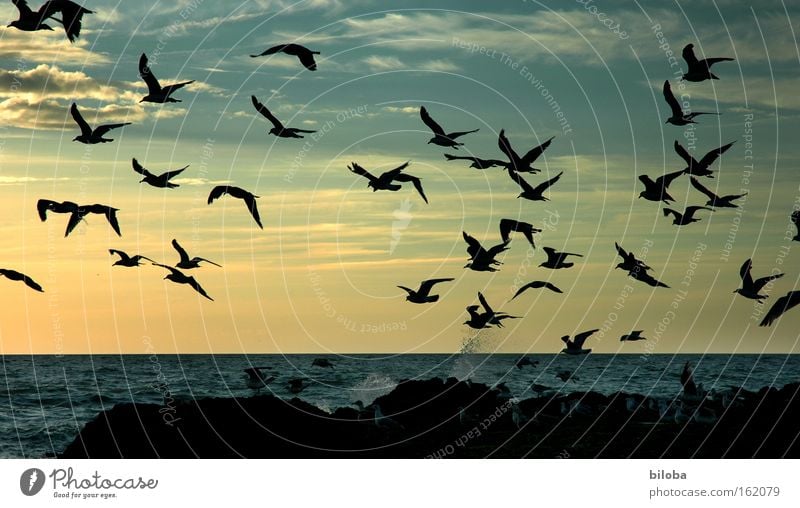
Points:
[[700, 168], [575, 346], [15, 275], [509, 225], [481, 259], [440, 137], [386, 180], [126, 260], [796, 220], [30, 21], [77, 213], [91, 136], [256, 379], [629, 261], [782, 305], [537, 284], [714, 200], [277, 127], [156, 92], [477, 162], [557, 260], [678, 116], [642, 276], [185, 262], [305, 55], [423, 294], [699, 70], [179, 277], [529, 192], [656, 190], [487, 318], [750, 288], [517, 163], [162, 180], [236, 192], [323, 363], [687, 217], [633, 336]]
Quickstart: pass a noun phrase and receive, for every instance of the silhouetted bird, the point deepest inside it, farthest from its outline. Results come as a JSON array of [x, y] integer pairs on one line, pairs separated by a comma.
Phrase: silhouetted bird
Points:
[[155, 92], [575, 346], [633, 336], [699, 70], [780, 306], [537, 284], [557, 260], [126, 260], [17, 276], [657, 190], [322, 362], [700, 168], [713, 199], [509, 225], [482, 260], [305, 55], [678, 116], [477, 162], [440, 137], [629, 261], [526, 360], [487, 318], [277, 127], [179, 277], [236, 192], [530, 192], [77, 213], [517, 163], [642, 276], [256, 379], [386, 180], [162, 180], [796, 220], [31, 21], [751, 288], [687, 217], [184, 262], [91, 136], [422, 295]]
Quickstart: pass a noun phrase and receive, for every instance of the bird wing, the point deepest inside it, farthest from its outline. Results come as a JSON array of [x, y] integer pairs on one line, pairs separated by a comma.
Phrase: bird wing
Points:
[[544, 185], [688, 55], [432, 125], [497, 249], [699, 186], [153, 86], [782, 305], [552, 287], [680, 150], [454, 135], [474, 247], [671, 100], [552, 255], [427, 285], [175, 172], [485, 304], [139, 168], [665, 180], [31, 283], [266, 112], [71, 14], [174, 270], [307, 59], [711, 61], [250, 201], [506, 227], [796, 219], [763, 281], [711, 156], [22, 6], [101, 130], [197, 287], [111, 216], [355, 168], [402, 177], [181, 251], [690, 210], [534, 153], [626, 256], [271, 51], [393, 173], [505, 147], [216, 192], [580, 338], [76, 115], [526, 187], [74, 220], [42, 206], [167, 90], [123, 256]]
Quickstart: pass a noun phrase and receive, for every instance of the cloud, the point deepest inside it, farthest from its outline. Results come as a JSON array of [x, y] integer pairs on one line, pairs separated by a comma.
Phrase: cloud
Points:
[[55, 83], [19, 180], [47, 47], [409, 110], [384, 63]]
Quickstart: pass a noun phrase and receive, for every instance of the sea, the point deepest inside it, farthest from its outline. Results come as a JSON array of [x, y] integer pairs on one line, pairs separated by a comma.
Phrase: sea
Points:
[[45, 400]]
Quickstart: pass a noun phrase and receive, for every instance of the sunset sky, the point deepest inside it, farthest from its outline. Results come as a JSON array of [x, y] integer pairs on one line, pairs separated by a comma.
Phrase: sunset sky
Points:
[[322, 274]]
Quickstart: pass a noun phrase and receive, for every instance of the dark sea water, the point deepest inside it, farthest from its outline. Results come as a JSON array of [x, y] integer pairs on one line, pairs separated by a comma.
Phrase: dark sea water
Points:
[[46, 400]]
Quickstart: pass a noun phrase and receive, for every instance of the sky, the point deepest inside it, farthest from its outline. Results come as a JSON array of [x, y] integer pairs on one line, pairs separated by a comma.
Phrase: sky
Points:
[[322, 275]]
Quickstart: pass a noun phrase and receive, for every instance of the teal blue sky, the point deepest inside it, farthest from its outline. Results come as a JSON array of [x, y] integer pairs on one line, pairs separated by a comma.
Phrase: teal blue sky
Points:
[[322, 275]]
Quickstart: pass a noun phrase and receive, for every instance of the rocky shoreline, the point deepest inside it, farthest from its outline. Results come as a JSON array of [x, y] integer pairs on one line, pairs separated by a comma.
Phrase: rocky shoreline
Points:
[[454, 419]]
